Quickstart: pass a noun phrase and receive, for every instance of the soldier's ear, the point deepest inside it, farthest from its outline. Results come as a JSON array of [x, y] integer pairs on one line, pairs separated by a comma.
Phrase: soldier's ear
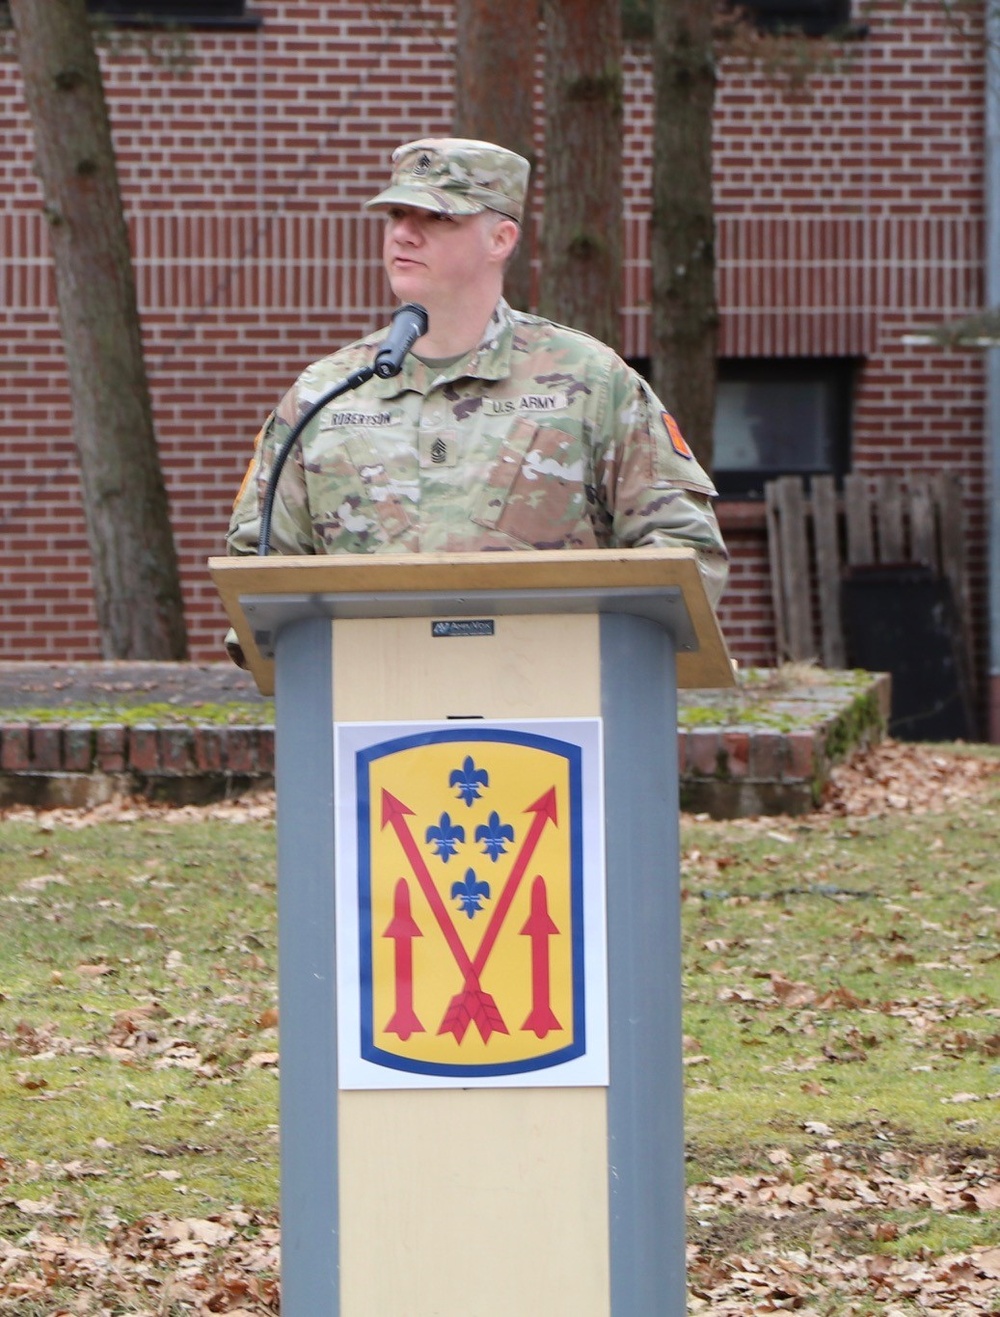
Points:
[[504, 237]]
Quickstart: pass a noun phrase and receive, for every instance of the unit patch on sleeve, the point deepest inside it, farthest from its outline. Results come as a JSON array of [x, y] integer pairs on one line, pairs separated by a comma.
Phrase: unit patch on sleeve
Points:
[[677, 440]]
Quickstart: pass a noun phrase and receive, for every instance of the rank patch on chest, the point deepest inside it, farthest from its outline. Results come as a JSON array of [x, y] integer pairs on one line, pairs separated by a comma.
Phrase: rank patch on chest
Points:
[[439, 450]]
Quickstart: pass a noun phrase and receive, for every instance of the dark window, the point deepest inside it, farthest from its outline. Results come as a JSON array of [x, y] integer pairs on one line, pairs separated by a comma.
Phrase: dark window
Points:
[[637, 19], [814, 18], [781, 417], [191, 13]]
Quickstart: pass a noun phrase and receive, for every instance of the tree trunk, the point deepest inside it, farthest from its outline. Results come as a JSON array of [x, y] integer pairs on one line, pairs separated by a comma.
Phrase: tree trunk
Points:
[[581, 283], [133, 558], [497, 45], [682, 240]]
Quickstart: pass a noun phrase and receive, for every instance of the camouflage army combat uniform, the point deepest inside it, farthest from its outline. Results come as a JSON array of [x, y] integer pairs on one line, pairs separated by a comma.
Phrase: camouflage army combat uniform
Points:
[[542, 437]]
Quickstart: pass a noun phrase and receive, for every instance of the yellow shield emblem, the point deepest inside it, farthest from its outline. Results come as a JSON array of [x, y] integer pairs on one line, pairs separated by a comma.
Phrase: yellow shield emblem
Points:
[[470, 902]]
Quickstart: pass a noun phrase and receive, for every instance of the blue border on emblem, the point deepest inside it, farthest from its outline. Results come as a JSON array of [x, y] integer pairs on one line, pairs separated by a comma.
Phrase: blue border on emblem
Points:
[[365, 758]]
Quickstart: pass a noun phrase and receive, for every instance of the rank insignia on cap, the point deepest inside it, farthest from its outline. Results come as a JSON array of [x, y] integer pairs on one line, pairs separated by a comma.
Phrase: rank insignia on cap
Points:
[[677, 440], [422, 165]]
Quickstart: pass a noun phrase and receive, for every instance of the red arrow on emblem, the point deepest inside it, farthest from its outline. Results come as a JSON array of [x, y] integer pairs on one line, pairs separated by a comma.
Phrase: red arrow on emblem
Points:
[[544, 810], [472, 1005], [394, 814], [403, 929], [539, 927]]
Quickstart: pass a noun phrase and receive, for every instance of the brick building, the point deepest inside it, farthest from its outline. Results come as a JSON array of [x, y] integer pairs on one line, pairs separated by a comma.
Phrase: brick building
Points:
[[847, 215]]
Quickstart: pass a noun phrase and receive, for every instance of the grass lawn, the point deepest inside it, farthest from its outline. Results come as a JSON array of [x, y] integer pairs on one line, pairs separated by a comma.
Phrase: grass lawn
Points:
[[842, 988], [138, 1064]]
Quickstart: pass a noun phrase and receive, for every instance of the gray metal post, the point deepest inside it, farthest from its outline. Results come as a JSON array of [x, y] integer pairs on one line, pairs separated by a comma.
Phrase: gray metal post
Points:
[[307, 985], [646, 1098]]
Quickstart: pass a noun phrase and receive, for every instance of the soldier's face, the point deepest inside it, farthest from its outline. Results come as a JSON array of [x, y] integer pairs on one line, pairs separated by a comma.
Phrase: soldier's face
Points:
[[430, 257]]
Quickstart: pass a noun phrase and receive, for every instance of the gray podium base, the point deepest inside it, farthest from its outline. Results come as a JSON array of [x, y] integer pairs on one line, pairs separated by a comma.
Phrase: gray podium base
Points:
[[645, 1100]]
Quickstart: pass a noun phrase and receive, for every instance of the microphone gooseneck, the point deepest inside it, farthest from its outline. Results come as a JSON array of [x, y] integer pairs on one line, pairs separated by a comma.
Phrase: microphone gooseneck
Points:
[[409, 323]]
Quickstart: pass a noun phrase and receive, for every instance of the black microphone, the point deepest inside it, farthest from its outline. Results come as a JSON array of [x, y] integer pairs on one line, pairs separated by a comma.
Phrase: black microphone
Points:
[[409, 323]]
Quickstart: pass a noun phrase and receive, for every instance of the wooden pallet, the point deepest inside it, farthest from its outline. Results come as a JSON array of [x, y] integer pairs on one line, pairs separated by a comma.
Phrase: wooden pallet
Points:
[[815, 536]]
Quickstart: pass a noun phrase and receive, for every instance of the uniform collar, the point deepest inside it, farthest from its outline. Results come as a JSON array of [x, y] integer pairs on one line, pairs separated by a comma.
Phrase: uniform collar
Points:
[[490, 360]]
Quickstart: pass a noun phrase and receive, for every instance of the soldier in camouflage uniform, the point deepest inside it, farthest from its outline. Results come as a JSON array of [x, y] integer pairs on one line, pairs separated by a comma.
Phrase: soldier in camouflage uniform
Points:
[[503, 430]]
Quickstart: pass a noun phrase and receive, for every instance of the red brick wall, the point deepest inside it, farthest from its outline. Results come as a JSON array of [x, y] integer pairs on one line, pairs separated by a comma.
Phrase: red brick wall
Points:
[[846, 215]]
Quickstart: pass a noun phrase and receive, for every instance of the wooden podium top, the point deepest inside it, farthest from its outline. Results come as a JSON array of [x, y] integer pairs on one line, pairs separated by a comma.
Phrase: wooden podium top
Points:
[[260, 594]]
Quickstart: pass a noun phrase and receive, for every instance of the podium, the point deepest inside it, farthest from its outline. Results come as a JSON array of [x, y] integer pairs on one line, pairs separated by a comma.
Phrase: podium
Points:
[[479, 924]]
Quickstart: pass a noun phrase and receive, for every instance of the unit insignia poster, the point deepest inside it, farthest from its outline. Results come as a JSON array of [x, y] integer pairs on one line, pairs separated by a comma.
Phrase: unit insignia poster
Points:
[[470, 905]]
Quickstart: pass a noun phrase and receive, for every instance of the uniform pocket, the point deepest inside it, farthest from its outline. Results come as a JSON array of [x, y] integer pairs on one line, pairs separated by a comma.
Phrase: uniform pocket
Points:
[[536, 491], [354, 500], [381, 485]]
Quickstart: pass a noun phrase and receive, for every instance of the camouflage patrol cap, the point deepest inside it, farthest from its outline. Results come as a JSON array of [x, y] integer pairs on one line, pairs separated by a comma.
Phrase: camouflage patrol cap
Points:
[[456, 176]]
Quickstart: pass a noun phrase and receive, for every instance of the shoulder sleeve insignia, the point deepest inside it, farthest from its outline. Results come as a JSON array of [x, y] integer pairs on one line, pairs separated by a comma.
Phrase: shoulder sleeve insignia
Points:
[[677, 440]]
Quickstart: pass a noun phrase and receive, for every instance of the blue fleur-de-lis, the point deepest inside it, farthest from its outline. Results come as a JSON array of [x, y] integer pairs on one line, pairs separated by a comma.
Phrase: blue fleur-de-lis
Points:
[[446, 835], [469, 779], [469, 893], [493, 834]]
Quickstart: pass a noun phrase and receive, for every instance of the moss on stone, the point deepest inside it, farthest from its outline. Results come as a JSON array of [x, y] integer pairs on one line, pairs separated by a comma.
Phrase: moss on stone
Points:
[[258, 713]]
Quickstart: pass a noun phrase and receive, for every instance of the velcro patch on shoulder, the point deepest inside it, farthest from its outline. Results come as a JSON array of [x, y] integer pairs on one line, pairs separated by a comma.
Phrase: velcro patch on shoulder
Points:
[[677, 440]]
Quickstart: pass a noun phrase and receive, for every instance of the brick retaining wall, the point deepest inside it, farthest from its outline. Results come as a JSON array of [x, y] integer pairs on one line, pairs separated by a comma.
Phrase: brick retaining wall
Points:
[[78, 764], [733, 759], [768, 748]]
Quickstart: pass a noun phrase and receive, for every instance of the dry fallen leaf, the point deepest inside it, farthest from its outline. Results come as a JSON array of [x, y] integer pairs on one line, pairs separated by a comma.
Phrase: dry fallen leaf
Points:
[[263, 1059], [94, 971], [896, 776], [42, 881], [817, 1127]]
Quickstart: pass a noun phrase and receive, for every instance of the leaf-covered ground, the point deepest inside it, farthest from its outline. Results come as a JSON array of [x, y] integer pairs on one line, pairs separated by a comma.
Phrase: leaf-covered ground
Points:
[[138, 1062], [842, 987]]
